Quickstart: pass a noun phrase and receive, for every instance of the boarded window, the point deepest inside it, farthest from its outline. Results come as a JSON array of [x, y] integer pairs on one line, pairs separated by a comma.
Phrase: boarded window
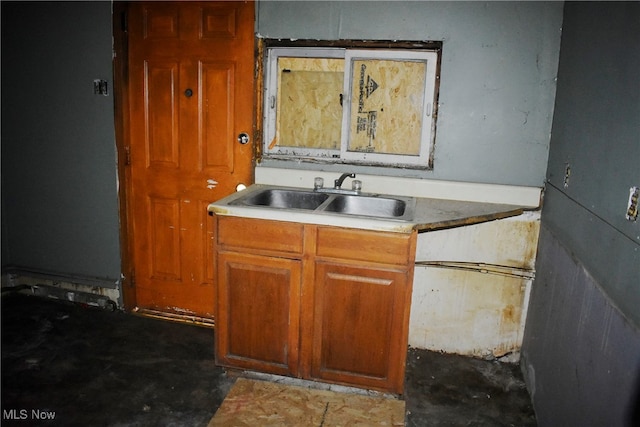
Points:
[[374, 106], [309, 102]]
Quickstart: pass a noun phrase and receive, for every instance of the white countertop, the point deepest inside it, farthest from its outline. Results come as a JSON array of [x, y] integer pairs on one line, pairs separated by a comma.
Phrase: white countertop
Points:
[[430, 214]]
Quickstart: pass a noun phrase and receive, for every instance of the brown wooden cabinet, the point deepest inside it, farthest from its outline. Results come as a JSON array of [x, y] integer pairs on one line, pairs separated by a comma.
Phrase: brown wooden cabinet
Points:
[[314, 302], [259, 304], [259, 278], [357, 320]]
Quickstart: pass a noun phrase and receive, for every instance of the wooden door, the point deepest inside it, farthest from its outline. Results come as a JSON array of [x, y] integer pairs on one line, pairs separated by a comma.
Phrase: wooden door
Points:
[[190, 86]]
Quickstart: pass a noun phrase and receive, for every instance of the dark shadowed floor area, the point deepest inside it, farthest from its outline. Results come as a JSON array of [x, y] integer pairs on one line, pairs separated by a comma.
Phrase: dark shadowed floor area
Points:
[[72, 365]]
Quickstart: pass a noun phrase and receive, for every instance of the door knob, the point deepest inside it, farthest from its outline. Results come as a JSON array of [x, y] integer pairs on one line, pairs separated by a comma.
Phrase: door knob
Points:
[[243, 138]]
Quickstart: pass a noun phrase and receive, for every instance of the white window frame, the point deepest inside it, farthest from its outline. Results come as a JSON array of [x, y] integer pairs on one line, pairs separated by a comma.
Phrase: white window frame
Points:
[[422, 161], [270, 102]]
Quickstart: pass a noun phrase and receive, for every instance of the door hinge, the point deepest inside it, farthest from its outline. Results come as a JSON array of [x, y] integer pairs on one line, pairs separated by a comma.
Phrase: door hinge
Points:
[[124, 22], [127, 156]]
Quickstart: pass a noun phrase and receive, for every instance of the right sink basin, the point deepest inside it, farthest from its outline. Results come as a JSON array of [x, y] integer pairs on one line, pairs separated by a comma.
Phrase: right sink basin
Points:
[[380, 207]]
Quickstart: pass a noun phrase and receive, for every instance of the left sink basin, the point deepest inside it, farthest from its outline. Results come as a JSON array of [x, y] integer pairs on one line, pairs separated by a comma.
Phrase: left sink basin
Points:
[[286, 199]]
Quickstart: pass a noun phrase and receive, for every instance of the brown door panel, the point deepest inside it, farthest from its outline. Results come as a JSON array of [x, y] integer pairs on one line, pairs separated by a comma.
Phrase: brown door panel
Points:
[[190, 93]]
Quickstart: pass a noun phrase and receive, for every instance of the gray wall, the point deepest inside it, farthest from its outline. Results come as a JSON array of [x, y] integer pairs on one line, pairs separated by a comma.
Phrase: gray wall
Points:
[[581, 349], [596, 131], [499, 63], [580, 355], [59, 185]]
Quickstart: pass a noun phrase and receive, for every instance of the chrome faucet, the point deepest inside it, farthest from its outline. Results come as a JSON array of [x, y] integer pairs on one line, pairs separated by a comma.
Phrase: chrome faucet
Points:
[[337, 184]]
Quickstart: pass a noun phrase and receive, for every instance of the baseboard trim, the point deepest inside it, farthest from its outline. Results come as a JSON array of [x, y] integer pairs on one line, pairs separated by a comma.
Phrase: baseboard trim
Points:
[[69, 287], [55, 276]]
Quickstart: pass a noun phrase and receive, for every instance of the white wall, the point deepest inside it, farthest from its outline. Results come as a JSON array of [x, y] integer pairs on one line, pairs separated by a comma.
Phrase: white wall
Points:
[[474, 302]]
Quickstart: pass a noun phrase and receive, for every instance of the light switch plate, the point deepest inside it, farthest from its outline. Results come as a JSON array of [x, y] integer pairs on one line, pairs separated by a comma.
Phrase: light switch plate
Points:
[[632, 206], [100, 87]]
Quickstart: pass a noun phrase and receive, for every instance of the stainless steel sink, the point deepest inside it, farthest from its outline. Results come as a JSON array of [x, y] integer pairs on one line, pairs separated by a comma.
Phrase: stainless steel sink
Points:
[[285, 199], [364, 204], [381, 207]]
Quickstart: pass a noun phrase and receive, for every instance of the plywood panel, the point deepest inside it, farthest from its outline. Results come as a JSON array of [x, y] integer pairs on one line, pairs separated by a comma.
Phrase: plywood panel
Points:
[[387, 103], [309, 102], [263, 403], [310, 108]]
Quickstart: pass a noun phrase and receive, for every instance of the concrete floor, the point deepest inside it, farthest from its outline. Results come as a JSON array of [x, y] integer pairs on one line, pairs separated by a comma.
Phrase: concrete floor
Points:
[[91, 367]]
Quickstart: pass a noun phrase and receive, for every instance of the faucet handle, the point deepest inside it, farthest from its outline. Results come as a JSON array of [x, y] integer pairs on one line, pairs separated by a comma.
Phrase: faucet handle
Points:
[[318, 182]]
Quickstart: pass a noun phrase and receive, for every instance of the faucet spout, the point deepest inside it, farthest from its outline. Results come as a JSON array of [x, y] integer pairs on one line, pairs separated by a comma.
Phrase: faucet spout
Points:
[[338, 182]]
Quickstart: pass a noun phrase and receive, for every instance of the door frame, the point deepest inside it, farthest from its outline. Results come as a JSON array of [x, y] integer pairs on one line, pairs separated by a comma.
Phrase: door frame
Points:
[[121, 113]]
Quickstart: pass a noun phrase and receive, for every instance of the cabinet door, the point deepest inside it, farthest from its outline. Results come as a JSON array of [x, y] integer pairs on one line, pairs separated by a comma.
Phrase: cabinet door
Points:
[[359, 325], [258, 321]]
